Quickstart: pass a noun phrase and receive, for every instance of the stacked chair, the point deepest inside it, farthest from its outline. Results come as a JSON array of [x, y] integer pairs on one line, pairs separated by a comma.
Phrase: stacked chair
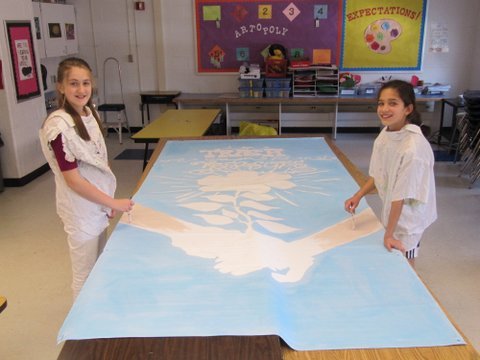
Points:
[[469, 136]]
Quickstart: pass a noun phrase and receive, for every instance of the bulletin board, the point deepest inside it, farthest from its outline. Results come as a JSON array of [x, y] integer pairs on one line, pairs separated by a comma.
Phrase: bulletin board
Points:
[[382, 35], [229, 33]]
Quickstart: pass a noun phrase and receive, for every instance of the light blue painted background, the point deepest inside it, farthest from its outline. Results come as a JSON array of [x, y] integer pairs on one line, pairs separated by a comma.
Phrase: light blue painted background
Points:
[[354, 296]]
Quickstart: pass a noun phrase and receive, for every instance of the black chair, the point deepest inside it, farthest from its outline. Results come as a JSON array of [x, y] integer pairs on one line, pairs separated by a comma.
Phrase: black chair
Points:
[[119, 109], [469, 140]]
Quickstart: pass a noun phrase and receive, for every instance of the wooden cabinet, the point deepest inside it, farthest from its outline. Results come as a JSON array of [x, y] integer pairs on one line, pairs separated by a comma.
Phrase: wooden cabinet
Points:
[[58, 29], [315, 81], [303, 113]]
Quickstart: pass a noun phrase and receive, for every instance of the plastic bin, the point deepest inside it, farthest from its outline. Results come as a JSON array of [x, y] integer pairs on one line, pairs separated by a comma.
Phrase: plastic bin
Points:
[[253, 83], [277, 83], [277, 92], [250, 92], [275, 68], [368, 89]]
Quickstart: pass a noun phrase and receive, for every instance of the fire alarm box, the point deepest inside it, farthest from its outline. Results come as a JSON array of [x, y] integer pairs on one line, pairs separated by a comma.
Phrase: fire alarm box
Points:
[[139, 5]]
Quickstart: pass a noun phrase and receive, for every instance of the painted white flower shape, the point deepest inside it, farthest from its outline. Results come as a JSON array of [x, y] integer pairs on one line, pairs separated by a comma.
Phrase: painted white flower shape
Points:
[[242, 196], [251, 181]]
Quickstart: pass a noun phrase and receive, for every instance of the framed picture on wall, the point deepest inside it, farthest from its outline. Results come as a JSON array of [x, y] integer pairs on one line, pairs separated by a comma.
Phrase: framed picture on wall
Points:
[[54, 30], [22, 54], [70, 31]]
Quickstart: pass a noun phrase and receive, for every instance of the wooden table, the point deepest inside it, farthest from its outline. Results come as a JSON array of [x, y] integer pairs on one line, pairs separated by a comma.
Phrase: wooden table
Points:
[[245, 347], [176, 123], [286, 105], [156, 97]]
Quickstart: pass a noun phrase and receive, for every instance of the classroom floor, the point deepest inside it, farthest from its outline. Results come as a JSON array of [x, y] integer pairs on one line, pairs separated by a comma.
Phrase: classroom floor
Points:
[[35, 265]]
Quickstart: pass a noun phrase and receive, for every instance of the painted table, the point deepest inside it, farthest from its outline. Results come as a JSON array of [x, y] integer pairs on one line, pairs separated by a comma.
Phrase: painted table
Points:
[[176, 123]]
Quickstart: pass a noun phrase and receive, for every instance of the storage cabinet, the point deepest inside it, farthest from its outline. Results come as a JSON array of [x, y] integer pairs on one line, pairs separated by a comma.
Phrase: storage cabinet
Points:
[[315, 81], [58, 29], [38, 34]]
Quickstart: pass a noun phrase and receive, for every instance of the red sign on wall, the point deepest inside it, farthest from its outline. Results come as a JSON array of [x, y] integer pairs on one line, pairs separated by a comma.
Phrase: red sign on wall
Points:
[[23, 59]]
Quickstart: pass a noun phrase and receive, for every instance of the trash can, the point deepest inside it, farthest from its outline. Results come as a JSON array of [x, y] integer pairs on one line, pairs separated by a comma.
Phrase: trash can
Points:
[[1, 175]]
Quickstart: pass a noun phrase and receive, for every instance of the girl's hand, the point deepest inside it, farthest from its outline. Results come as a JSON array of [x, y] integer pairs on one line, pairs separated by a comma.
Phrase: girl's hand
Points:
[[124, 205], [351, 204], [112, 214], [391, 243]]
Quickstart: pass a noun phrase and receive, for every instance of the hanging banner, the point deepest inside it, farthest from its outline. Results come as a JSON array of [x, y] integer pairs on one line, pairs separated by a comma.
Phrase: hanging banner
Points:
[[382, 35]]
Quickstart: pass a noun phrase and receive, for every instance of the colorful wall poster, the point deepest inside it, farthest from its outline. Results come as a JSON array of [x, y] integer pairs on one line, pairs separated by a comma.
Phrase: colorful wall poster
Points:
[[23, 59], [382, 35], [231, 32]]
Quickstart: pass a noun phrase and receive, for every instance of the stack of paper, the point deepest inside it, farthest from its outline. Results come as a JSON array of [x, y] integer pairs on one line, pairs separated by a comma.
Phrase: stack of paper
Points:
[[435, 89]]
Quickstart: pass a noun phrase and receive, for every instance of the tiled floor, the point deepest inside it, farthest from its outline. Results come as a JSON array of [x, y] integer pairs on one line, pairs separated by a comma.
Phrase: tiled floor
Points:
[[35, 267]]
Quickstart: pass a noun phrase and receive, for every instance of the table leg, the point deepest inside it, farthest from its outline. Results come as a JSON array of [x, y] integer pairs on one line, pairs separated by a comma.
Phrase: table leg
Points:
[[454, 128], [279, 119], [145, 156], [334, 124], [227, 119], [442, 111]]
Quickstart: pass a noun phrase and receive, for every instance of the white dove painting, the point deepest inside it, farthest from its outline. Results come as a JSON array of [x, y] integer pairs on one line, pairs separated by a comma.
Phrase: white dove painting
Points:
[[249, 237]]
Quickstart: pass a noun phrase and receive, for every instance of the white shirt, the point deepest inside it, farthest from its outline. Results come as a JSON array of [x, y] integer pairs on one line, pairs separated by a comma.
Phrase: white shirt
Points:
[[402, 167], [80, 216]]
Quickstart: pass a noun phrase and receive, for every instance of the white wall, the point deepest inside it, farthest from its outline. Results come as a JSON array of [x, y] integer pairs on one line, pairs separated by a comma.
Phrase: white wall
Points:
[[454, 67], [115, 29], [19, 121], [112, 28], [475, 70], [161, 42], [179, 50], [457, 66]]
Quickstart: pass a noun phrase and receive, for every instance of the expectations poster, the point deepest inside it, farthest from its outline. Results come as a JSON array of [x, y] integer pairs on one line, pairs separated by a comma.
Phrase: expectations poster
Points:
[[382, 35]]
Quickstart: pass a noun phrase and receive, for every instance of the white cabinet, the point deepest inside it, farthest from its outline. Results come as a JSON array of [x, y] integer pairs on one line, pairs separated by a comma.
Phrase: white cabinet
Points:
[[38, 34], [59, 29]]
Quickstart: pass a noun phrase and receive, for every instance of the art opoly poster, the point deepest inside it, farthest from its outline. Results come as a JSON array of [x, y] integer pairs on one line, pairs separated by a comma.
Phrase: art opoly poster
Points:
[[229, 33], [382, 34]]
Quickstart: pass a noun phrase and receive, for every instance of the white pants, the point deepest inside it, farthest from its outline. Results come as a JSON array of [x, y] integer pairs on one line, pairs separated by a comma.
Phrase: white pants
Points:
[[84, 252]]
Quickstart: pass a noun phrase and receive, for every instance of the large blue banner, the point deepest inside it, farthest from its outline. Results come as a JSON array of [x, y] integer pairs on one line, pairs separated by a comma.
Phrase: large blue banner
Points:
[[249, 237]]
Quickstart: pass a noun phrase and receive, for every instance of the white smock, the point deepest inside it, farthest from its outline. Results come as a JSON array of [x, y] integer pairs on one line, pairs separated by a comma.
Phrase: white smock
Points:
[[82, 218], [402, 168]]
